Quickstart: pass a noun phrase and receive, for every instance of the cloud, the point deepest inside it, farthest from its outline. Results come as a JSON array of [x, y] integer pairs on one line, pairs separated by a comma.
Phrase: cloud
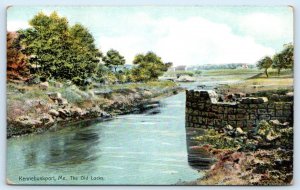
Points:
[[16, 25], [266, 26], [190, 41]]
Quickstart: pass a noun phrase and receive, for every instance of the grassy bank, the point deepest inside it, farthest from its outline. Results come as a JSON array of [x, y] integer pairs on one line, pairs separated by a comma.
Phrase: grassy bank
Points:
[[260, 82], [31, 108]]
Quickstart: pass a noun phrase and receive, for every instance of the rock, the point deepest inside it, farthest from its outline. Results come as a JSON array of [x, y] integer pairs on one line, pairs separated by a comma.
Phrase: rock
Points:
[[62, 101], [76, 112], [54, 95], [91, 94], [46, 119], [272, 136], [185, 78], [44, 85], [23, 118], [105, 114], [58, 85], [68, 82], [147, 93], [228, 127], [239, 131], [63, 113], [290, 94], [252, 100], [275, 122], [27, 121], [53, 112], [230, 97], [240, 95]]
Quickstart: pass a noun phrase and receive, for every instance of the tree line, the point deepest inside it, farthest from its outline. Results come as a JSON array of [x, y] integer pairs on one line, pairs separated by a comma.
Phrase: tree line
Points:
[[282, 60], [53, 49]]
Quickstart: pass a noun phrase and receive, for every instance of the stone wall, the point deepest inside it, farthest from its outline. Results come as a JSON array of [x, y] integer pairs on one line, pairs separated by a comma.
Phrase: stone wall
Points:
[[203, 110]]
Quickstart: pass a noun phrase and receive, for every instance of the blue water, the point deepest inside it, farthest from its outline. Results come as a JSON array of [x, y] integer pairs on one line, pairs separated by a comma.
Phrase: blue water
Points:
[[148, 149]]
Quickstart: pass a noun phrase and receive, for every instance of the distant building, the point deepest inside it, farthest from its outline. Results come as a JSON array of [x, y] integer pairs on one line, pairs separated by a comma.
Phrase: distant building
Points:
[[245, 66], [180, 68]]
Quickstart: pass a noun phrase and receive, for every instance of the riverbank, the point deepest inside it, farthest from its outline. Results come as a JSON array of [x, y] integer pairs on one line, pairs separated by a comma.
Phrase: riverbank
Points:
[[263, 156], [258, 155], [37, 108]]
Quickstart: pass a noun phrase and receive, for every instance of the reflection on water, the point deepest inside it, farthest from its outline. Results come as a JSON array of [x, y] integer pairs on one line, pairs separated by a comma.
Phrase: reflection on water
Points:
[[75, 149]]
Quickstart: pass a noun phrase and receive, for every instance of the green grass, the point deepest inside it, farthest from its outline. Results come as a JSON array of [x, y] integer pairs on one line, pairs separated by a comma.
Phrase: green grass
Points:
[[224, 72], [150, 84], [273, 73]]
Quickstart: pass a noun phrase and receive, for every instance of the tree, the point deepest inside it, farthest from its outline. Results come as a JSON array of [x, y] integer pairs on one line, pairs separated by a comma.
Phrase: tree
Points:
[[113, 59], [284, 59], [265, 63], [17, 62], [59, 51], [149, 67]]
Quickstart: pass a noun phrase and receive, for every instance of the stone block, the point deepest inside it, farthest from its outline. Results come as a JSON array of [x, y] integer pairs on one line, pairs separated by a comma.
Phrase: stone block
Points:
[[253, 106], [204, 114], [262, 111], [224, 122], [232, 123], [195, 113], [252, 116], [279, 113], [225, 110], [271, 106], [210, 121], [287, 113], [262, 106], [194, 105], [239, 124], [214, 108], [271, 112], [221, 109], [264, 117], [243, 106], [231, 110], [241, 117], [220, 116], [217, 122], [288, 106], [201, 106], [195, 119], [197, 125], [278, 106], [241, 111], [254, 100], [231, 117]]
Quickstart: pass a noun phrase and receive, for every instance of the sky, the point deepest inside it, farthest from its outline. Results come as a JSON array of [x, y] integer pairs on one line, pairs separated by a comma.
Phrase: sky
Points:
[[184, 35]]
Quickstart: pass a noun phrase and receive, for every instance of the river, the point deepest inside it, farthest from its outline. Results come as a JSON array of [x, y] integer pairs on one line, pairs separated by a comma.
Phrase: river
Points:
[[147, 148]]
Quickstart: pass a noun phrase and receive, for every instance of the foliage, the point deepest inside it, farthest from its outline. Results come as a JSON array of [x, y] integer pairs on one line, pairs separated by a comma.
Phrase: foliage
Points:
[[149, 67], [189, 73], [57, 50], [17, 63], [113, 59], [284, 59], [265, 63]]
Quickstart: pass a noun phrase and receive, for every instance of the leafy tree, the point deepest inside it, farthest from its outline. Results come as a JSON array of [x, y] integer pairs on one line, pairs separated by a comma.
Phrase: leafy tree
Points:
[[113, 59], [59, 51], [149, 67], [265, 63], [17, 62], [284, 59]]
